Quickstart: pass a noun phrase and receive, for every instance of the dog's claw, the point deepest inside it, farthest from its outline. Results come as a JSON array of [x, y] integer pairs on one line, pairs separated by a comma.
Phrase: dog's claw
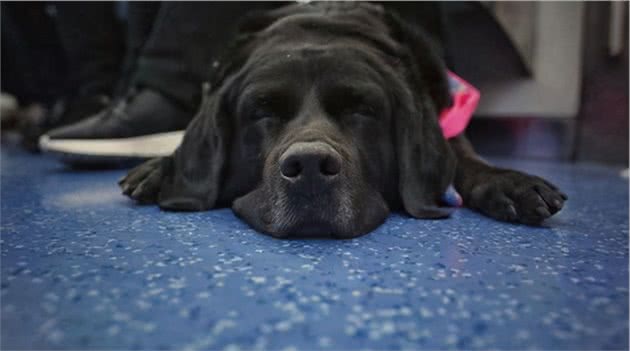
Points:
[[512, 211], [543, 212]]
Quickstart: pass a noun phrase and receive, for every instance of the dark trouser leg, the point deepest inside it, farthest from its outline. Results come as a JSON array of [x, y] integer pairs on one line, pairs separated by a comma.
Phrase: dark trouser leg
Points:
[[93, 40], [33, 64], [186, 38], [140, 19]]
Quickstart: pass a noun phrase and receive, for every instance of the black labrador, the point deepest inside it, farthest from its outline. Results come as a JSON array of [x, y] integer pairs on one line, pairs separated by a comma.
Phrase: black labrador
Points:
[[323, 120]]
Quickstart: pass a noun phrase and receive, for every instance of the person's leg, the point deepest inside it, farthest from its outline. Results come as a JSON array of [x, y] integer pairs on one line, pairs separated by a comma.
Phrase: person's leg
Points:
[[33, 62], [140, 18], [34, 65], [93, 41], [185, 39], [91, 37]]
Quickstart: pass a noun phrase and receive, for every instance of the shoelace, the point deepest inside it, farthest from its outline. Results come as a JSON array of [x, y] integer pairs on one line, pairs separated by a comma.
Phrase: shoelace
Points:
[[117, 109]]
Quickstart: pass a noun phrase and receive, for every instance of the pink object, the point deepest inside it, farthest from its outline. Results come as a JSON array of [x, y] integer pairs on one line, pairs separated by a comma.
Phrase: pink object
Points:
[[452, 198], [453, 120]]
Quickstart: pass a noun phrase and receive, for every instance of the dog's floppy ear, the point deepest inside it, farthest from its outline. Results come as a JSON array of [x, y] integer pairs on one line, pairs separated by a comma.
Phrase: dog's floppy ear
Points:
[[426, 164], [420, 55], [192, 175]]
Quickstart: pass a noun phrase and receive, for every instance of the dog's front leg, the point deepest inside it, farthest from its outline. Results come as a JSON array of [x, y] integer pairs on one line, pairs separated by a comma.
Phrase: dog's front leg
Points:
[[503, 194]]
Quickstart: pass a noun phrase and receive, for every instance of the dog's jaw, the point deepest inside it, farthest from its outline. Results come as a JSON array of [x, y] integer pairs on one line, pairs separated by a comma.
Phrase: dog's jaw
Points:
[[340, 212]]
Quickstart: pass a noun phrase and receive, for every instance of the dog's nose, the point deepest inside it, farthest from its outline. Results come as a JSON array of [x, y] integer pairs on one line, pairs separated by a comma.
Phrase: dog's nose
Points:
[[310, 160]]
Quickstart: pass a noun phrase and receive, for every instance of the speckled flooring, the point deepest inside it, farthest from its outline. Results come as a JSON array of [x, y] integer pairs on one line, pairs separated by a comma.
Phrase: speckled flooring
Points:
[[82, 267]]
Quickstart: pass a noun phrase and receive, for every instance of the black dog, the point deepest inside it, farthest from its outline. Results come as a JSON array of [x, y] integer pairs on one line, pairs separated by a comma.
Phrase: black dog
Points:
[[325, 119]]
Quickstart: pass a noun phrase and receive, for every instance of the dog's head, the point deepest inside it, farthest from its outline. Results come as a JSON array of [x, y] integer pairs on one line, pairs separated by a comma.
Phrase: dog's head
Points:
[[321, 121]]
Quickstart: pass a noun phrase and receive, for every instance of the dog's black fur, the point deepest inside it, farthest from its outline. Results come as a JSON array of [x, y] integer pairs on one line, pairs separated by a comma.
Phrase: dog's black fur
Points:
[[323, 120]]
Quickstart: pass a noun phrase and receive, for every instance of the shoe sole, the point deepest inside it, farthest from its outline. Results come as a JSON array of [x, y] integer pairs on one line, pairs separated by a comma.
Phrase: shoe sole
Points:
[[112, 150]]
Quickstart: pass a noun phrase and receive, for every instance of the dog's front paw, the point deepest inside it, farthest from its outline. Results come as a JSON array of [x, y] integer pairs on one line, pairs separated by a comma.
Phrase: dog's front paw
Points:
[[143, 182], [515, 196]]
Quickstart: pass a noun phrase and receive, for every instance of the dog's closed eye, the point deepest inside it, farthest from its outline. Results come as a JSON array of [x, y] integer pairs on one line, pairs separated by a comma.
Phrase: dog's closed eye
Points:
[[355, 104], [360, 111], [261, 112], [268, 107]]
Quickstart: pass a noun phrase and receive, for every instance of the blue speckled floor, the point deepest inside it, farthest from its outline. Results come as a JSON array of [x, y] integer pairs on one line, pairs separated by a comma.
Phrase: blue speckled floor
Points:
[[82, 267]]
